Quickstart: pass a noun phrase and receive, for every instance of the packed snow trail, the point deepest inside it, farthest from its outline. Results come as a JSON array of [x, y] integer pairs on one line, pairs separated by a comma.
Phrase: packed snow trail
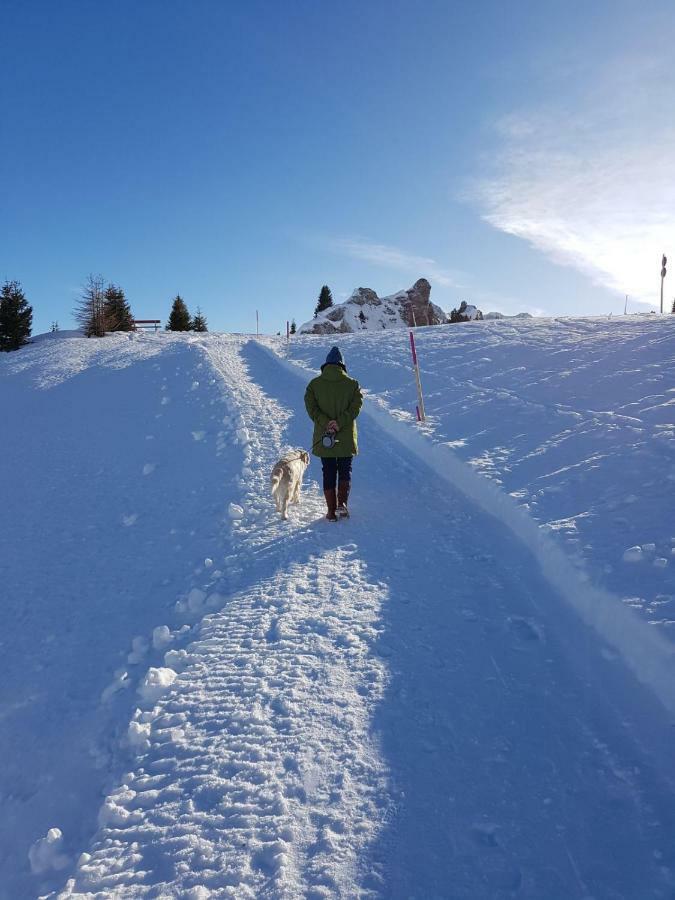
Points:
[[394, 706], [573, 418]]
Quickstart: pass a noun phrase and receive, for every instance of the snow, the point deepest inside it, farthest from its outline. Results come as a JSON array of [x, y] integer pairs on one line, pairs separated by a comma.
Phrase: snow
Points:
[[45, 854], [574, 418], [161, 637], [462, 691], [235, 511], [156, 682]]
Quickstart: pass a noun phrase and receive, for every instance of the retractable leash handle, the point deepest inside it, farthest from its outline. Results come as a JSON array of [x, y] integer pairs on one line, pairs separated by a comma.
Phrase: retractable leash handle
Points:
[[327, 440]]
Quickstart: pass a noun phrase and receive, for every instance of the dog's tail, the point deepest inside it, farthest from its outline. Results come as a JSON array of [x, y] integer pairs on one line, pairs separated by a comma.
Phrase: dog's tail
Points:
[[274, 480]]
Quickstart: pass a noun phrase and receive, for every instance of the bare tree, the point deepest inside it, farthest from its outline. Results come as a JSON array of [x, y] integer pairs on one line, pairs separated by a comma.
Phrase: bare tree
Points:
[[89, 311]]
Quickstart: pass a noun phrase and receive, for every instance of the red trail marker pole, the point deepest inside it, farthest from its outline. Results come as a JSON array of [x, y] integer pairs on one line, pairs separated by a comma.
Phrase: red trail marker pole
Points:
[[421, 415]]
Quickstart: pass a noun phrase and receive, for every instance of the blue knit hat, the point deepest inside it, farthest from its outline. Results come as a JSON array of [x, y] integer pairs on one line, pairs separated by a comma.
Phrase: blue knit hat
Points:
[[335, 358]]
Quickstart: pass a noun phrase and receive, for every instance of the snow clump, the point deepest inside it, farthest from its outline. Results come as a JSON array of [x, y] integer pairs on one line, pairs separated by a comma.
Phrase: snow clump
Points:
[[156, 683], [138, 735], [633, 554], [114, 812], [195, 600], [176, 659], [235, 511], [46, 854], [161, 637]]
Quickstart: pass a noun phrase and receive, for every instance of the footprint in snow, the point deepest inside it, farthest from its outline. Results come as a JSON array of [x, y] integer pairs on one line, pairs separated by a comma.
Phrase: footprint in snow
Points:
[[525, 630], [485, 835]]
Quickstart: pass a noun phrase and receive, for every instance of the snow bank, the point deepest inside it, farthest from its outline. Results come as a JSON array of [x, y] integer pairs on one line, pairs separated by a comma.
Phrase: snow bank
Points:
[[649, 655]]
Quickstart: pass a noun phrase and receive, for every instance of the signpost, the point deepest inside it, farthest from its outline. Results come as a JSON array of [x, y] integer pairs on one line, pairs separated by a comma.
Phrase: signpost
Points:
[[421, 415]]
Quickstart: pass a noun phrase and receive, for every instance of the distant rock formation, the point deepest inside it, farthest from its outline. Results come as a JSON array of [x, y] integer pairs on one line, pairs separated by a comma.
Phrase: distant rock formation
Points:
[[465, 313], [498, 315], [365, 311]]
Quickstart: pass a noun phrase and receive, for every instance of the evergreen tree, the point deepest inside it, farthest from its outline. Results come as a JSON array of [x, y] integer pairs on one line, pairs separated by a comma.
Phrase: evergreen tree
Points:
[[199, 322], [116, 310], [673, 309], [89, 309], [16, 317], [294, 327], [325, 300], [179, 320]]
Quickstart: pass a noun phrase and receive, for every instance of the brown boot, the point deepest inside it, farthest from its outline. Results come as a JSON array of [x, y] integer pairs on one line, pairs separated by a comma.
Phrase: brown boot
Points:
[[331, 503], [342, 497]]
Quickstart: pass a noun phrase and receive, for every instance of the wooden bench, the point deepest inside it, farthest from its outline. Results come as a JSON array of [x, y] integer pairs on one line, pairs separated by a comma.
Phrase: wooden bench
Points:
[[147, 324]]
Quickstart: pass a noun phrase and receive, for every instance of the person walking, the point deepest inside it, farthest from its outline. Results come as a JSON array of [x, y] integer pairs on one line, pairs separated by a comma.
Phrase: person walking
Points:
[[333, 401]]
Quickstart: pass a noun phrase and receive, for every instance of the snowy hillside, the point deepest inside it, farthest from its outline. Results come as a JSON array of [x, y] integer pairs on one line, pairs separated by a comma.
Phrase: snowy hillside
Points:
[[466, 690], [573, 418]]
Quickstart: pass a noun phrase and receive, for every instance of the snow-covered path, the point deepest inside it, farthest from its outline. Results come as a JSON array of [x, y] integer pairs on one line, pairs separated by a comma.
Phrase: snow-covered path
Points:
[[396, 706]]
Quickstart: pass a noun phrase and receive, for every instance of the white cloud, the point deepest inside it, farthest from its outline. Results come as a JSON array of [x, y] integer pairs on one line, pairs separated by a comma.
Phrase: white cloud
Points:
[[593, 186], [393, 258]]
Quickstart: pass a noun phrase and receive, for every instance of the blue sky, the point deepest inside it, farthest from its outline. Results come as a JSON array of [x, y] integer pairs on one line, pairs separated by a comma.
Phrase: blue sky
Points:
[[520, 155]]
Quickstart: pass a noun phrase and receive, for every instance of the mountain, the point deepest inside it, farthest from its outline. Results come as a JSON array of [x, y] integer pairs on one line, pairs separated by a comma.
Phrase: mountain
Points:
[[365, 311]]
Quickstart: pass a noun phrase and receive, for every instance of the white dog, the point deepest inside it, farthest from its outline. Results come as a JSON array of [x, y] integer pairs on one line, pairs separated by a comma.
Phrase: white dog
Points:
[[287, 479]]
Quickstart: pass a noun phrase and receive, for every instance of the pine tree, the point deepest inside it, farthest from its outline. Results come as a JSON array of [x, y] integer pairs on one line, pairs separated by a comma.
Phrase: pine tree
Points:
[[199, 322], [179, 320], [673, 309], [88, 312], [116, 310], [16, 317], [294, 327], [325, 300]]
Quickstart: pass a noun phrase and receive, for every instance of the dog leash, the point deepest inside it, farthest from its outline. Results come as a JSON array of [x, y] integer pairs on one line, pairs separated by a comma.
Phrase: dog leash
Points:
[[315, 444]]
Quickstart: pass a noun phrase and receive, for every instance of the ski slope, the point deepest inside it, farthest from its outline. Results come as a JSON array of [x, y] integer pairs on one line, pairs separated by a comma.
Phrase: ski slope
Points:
[[206, 701]]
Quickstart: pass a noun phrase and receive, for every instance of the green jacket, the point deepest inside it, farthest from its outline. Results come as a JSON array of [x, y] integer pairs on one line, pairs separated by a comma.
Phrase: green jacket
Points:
[[334, 395]]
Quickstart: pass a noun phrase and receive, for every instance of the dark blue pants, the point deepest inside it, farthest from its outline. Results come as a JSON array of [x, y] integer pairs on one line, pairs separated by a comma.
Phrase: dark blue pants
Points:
[[334, 467]]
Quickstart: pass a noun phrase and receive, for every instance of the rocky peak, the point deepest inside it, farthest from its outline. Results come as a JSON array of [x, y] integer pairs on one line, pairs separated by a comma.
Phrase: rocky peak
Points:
[[365, 311], [362, 295]]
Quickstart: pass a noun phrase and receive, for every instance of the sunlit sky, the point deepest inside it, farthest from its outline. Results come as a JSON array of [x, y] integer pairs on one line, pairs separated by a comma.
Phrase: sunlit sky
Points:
[[521, 156]]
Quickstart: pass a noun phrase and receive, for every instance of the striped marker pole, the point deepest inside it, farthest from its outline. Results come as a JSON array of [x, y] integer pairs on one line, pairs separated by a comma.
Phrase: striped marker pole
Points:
[[421, 415]]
